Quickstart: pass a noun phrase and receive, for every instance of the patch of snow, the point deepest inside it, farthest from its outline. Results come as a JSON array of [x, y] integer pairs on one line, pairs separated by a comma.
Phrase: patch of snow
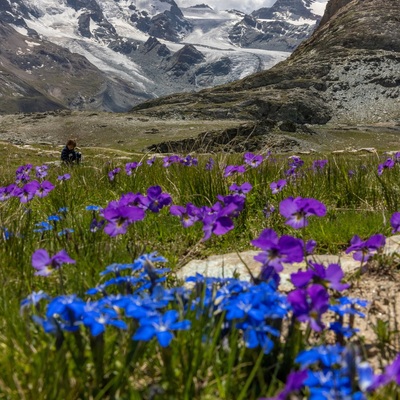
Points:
[[210, 36], [206, 13], [93, 26], [61, 29], [31, 44], [153, 7], [318, 7], [109, 61], [298, 22]]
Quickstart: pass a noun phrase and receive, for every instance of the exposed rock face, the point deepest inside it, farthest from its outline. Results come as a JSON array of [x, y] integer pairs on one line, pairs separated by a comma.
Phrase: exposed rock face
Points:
[[332, 8], [348, 71], [183, 59], [156, 46], [246, 137], [169, 24]]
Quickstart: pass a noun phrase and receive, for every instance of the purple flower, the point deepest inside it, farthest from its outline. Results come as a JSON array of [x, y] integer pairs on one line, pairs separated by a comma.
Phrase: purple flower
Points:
[[235, 201], [45, 265], [188, 215], [295, 381], [310, 246], [392, 371], [253, 160], [218, 218], [23, 178], [395, 222], [317, 273], [241, 190], [96, 225], [7, 192], [41, 171], [388, 164], [129, 167], [210, 164], [319, 165], [24, 168], [113, 173], [134, 199], [151, 161], [167, 161], [120, 217], [309, 305], [64, 177], [351, 173], [296, 210], [22, 173], [268, 210], [44, 189], [276, 251], [27, 192], [232, 169], [189, 161], [156, 200], [295, 162], [363, 250], [276, 187]]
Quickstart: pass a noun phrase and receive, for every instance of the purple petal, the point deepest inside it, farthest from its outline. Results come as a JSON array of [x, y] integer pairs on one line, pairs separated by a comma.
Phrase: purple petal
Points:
[[153, 192], [40, 258], [223, 225], [267, 238], [63, 257], [301, 278]]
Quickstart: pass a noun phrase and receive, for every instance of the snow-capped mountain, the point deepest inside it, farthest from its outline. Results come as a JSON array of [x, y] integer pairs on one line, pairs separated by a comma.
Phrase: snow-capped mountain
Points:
[[280, 27], [156, 47]]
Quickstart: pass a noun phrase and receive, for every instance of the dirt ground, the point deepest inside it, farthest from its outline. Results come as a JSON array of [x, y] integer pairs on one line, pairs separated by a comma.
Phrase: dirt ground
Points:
[[379, 329], [93, 129], [134, 133]]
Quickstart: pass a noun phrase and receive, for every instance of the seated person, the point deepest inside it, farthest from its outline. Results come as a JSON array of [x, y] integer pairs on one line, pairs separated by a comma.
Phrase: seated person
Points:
[[68, 153]]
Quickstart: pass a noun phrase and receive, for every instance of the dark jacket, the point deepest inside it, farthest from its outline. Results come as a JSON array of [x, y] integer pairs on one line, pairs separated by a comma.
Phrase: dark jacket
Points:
[[68, 155]]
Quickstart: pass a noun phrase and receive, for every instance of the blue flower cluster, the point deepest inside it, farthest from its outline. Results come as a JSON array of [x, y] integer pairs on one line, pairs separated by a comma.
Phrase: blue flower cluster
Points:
[[331, 372], [135, 298]]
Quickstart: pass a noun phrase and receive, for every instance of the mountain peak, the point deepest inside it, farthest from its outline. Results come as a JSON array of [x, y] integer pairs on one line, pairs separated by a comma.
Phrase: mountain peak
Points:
[[203, 5], [288, 9]]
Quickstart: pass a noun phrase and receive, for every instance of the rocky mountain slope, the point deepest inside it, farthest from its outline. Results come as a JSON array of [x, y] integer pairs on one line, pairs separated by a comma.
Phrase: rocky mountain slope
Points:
[[137, 49], [36, 75], [348, 71]]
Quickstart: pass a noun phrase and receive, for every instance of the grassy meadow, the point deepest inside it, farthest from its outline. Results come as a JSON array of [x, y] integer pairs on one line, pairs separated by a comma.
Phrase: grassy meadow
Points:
[[108, 322]]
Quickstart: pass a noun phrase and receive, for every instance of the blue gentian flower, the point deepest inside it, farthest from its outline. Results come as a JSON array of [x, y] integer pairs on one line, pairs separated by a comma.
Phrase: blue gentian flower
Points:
[[43, 227], [161, 327], [34, 298]]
